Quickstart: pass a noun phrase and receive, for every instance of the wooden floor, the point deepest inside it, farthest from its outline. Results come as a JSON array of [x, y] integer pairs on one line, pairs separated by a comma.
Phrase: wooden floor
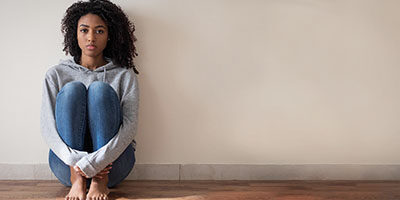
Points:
[[276, 190]]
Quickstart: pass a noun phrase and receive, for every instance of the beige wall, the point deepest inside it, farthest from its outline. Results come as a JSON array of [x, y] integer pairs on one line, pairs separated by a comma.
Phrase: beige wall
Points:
[[230, 81]]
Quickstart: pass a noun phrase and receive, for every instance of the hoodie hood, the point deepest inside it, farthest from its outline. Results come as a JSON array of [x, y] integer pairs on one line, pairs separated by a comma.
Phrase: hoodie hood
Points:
[[74, 66]]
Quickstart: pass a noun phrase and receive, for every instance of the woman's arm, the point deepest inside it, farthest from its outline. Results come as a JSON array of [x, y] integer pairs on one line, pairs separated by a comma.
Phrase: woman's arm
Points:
[[49, 129], [98, 160]]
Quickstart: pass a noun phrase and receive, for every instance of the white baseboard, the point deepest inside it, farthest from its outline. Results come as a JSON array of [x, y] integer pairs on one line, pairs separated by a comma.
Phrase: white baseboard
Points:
[[225, 172]]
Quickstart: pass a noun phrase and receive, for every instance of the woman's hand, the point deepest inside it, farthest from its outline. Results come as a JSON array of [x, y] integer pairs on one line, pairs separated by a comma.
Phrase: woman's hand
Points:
[[80, 172], [103, 172], [99, 175]]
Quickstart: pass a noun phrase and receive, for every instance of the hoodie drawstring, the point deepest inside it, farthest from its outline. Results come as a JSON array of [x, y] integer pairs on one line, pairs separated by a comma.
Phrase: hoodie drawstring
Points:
[[104, 76]]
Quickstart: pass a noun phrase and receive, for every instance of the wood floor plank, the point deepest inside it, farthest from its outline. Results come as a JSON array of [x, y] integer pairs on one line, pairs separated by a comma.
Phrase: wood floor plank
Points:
[[220, 190]]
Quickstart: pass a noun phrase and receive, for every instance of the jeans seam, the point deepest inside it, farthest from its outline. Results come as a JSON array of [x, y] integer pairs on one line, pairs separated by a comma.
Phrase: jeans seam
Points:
[[83, 123]]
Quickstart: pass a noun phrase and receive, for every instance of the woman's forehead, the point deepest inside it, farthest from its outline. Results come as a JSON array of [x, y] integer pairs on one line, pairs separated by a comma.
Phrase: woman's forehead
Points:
[[91, 20]]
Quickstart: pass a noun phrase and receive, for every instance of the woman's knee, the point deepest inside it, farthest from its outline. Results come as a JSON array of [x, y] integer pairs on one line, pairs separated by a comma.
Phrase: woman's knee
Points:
[[101, 89], [99, 86], [74, 88]]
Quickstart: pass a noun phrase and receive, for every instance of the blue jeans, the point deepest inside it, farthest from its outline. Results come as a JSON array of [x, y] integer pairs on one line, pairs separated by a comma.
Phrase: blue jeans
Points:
[[86, 120]]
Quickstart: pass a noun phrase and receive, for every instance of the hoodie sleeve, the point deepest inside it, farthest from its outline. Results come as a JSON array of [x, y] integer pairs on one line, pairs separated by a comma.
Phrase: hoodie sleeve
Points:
[[98, 160], [49, 129]]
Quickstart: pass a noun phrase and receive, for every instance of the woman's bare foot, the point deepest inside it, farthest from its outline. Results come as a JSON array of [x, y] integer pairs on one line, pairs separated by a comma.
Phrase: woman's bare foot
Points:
[[98, 189], [78, 188]]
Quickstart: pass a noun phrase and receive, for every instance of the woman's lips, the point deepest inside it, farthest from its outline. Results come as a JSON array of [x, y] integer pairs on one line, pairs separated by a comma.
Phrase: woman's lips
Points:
[[90, 47]]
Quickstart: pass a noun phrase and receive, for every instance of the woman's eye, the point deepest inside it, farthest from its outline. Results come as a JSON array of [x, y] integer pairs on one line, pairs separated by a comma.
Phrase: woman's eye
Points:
[[84, 30], [100, 31]]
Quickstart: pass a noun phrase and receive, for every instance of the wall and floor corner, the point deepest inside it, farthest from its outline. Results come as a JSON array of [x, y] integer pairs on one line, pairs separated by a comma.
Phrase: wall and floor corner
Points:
[[288, 89], [224, 172]]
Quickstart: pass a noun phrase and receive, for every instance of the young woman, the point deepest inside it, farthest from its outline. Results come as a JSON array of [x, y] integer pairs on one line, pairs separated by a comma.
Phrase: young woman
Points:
[[90, 103]]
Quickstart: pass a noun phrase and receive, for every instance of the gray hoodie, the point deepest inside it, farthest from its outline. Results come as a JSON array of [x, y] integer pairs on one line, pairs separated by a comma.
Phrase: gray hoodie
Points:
[[125, 84]]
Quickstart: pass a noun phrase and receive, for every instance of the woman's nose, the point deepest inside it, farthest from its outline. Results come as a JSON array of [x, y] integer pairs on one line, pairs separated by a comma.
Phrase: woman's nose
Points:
[[90, 36]]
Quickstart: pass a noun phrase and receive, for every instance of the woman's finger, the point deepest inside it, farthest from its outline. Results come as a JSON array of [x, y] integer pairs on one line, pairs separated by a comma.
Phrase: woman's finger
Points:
[[77, 169], [106, 169], [83, 174], [104, 172], [99, 176]]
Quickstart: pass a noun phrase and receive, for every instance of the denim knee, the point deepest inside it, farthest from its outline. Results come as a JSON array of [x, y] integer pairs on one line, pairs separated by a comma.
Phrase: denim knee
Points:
[[74, 88], [99, 86], [103, 90]]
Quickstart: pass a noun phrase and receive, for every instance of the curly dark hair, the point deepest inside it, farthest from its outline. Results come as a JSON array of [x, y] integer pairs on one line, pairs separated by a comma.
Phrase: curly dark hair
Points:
[[120, 47]]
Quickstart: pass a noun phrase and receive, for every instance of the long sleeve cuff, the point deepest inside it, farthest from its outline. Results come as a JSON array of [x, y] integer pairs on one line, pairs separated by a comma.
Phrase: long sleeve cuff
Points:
[[86, 167], [74, 157]]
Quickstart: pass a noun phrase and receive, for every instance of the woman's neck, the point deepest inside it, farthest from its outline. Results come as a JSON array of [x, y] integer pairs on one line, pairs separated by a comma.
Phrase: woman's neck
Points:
[[92, 63]]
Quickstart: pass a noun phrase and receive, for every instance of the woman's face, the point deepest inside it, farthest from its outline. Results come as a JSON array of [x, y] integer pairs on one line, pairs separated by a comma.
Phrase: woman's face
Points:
[[92, 35]]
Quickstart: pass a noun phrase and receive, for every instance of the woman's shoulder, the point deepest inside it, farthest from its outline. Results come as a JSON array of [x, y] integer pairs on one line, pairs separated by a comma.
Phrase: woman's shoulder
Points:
[[57, 71], [126, 73], [53, 72], [62, 67], [127, 77]]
